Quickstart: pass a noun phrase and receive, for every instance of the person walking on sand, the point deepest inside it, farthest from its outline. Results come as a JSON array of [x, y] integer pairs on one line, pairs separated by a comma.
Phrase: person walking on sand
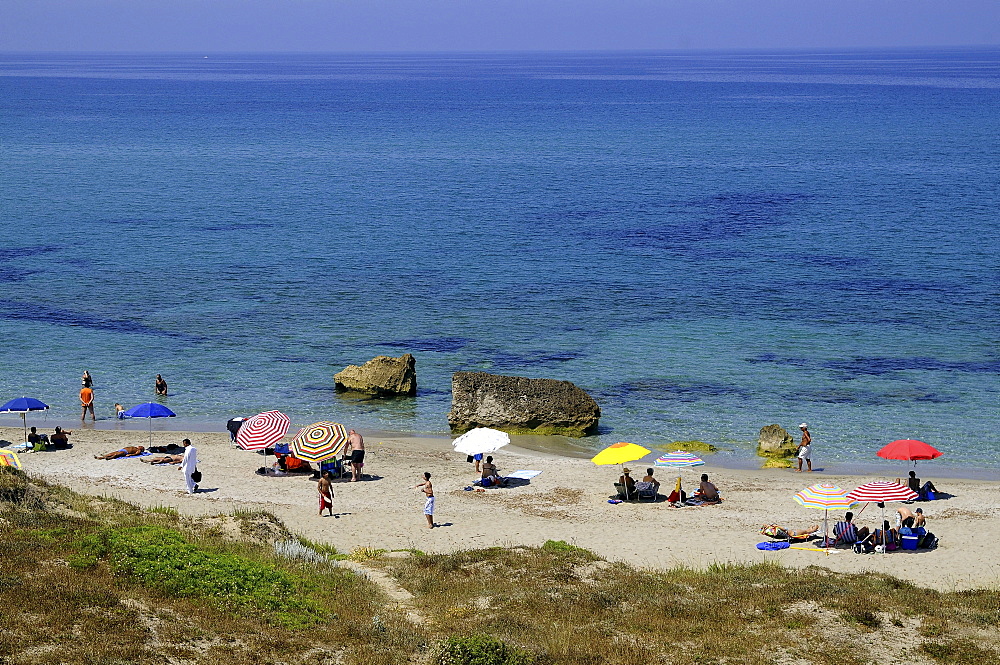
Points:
[[189, 464], [805, 448], [325, 488], [87, 402], [161, 386], [357, 444], [428, 490]]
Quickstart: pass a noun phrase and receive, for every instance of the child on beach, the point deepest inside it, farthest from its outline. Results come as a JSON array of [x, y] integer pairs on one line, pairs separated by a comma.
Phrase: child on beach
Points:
[[325, 489]]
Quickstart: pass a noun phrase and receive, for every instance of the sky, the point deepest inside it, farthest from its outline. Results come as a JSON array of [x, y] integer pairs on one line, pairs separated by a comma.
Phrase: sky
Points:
[[490, 25]]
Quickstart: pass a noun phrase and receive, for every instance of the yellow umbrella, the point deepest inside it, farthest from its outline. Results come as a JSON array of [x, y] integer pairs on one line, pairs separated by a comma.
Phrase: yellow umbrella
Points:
[[619, 453]]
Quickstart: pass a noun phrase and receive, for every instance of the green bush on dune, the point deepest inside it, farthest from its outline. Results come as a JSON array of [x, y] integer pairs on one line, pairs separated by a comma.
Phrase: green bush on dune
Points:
[[161, 558], [480, 650]]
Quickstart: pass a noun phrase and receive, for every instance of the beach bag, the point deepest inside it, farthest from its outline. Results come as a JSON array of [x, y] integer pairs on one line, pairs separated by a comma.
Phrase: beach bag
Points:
[[929, 541], [196, 476], [863, 547]]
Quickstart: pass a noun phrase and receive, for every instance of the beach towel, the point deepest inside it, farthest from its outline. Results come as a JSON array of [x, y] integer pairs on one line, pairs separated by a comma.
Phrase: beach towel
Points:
[[524, 474], [142, 454]]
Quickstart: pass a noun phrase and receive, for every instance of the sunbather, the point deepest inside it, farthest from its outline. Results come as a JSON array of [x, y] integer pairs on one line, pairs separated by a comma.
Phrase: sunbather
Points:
[[886, 535], [60, 438], [127, 451], [707, 491], [491, 473], [781, 533], [164, 459]]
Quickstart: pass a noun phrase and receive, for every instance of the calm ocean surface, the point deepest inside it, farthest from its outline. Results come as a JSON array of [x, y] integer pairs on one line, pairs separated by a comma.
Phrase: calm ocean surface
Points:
[[706, 243]]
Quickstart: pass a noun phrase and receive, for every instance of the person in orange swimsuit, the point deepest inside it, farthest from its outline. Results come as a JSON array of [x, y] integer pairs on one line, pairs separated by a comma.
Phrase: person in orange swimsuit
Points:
[[87, 402]]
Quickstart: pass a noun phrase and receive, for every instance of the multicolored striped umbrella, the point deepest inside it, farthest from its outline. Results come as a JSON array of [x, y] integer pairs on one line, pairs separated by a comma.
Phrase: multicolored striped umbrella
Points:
[[824, 496], [262, 431], [679, 459], [9, 458], [319, 441], [882, 491]]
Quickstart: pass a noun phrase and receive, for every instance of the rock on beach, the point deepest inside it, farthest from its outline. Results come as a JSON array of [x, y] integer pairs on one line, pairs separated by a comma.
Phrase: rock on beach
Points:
[[519, 405], [382, 375]]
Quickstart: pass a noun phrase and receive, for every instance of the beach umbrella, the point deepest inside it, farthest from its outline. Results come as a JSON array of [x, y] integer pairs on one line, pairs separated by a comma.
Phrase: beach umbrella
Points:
[[910, 450], [262, 431], [824, 496], [319, 441], [23, 405], [679, 459], [480, 441], [150, 410], [882, 491], [9, 458], [619, 453]]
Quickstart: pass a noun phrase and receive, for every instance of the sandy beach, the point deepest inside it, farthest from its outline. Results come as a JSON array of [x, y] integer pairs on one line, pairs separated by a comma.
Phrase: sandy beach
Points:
[[567, 501]]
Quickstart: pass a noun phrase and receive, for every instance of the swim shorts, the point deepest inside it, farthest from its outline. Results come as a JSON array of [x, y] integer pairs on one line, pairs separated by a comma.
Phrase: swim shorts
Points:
[[429, 506], [357, 456]]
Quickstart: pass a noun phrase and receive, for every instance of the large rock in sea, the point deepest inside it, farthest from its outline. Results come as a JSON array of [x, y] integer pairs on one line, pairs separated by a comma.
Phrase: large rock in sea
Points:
[[519, 405], [382, 376], [775, 443]]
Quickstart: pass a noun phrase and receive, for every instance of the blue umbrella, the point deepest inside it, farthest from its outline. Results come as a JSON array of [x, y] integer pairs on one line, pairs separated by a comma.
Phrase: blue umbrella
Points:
[[22, 405], [150, 410]]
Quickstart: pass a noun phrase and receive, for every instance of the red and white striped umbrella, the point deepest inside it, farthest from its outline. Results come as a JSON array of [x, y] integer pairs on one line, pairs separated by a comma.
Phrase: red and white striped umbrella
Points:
[[880, 491], [262, 431]]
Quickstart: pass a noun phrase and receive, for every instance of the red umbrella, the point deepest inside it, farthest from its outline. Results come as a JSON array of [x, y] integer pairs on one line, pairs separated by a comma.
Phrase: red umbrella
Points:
[[262, 431], [910, 450]]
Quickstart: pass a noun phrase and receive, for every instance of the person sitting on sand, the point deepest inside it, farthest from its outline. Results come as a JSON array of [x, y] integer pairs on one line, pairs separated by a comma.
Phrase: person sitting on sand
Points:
[[36, 440], [127, 451], [919, 520], [491, 473], [60, 438], [707, 491], [886, 535], [164, 459], [847, 532], [922, 490]]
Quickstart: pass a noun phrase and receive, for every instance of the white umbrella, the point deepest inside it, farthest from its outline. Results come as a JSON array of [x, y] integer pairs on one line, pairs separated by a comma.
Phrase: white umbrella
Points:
[[480, 441]]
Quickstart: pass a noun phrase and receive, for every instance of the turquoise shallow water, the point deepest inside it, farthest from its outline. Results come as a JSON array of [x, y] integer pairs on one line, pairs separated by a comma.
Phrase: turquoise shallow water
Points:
[[706, 243]]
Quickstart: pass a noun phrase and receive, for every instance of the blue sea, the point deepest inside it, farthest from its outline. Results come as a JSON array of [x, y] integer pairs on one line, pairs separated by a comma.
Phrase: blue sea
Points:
[[705, 242]]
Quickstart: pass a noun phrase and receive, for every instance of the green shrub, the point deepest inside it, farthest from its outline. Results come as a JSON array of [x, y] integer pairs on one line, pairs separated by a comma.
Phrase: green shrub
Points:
[[480, 650], [562, 547], [161, 558]]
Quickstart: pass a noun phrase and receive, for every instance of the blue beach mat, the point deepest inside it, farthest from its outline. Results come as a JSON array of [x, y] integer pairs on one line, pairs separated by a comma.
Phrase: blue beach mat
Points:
[[772, 546]]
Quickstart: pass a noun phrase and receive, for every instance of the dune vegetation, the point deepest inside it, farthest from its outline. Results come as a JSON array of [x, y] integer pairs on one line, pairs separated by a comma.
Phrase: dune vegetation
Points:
[[96, 580]]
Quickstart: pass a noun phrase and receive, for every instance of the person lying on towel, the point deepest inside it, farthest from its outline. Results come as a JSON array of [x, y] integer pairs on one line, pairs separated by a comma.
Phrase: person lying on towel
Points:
[[127, 451], [164, 459]]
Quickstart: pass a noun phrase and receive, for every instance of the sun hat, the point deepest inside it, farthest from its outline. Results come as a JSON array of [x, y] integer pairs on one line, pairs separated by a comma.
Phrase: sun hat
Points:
[[803, 426], [627, 470]]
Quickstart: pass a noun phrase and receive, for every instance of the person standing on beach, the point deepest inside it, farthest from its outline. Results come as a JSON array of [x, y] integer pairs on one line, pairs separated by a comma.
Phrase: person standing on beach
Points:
[[87, 401], [189, 464], [805, 448], [161, 386], [357, 444], [428, 490], [325, 488]]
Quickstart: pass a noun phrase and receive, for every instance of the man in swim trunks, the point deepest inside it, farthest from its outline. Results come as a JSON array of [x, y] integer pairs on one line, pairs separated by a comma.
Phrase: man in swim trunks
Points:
[[127, 451], [60, 438], [87, 400], [805, 448], [357, 444], [325, 489], [428, 490], [164, 459], [707, 491], [160, 385]]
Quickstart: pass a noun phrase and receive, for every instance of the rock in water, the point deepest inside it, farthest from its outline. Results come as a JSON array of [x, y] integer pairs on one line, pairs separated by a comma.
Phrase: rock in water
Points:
[[382, 376], [774, 441], [519, 405]]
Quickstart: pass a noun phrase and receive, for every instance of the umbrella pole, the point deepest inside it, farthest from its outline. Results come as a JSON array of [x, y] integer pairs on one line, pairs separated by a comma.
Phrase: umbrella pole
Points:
[[24, 418]]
